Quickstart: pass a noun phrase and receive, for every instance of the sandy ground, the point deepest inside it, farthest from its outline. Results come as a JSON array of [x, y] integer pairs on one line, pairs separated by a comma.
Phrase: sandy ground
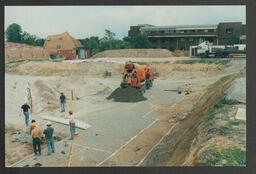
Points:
[[113, 125]]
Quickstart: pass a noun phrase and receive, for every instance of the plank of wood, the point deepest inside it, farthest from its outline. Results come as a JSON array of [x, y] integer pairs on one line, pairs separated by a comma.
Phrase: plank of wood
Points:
[[79, 124]]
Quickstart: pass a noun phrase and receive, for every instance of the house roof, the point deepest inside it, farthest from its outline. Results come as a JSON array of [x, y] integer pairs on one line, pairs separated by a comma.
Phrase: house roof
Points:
[[65, 41]]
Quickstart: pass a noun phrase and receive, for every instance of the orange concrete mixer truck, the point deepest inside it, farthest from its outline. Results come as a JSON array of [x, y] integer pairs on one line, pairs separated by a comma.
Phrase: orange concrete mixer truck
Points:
[[137, 76]]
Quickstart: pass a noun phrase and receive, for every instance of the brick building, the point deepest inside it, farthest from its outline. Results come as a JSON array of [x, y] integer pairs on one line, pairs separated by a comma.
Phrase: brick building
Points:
[[181, 37]]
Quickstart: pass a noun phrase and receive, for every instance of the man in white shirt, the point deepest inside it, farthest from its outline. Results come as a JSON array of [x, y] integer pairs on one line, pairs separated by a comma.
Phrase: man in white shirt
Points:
[[72, 124]]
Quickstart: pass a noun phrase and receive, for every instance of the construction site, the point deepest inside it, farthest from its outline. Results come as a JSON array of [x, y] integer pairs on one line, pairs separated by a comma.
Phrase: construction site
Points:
[[191, 112]]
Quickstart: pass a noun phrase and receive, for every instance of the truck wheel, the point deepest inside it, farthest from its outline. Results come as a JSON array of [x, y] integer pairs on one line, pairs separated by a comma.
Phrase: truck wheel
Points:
[[151, 83], [147, 84]]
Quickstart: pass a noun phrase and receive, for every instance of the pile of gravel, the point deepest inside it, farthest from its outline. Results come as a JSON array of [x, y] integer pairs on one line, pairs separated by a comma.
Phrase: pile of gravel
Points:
[[126, 95]]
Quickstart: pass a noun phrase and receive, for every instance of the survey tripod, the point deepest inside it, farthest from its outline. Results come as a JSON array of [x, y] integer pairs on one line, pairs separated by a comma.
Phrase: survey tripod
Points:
[[72, 148]]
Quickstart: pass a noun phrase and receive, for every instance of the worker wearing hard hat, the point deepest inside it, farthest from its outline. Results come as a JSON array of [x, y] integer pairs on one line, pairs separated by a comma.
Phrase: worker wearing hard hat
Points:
[[72, 124], [35, 136], [48, 132], [30, 127]]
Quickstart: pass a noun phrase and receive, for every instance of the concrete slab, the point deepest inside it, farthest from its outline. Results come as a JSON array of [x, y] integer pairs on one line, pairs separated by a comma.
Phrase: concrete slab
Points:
[[79, 124], [241, 114]]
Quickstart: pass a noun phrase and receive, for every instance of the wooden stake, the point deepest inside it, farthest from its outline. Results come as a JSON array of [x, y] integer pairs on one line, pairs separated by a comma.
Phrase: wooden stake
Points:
[[72, 148], [30, 98], [72, 94]]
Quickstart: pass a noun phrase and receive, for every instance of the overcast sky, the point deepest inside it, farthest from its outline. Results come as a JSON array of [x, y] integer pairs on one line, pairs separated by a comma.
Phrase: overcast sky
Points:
[[86, 21]]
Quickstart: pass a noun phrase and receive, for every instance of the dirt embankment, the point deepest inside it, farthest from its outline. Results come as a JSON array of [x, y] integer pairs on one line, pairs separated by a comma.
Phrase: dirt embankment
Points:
[[175, 148], [146, 53], [99, 69]]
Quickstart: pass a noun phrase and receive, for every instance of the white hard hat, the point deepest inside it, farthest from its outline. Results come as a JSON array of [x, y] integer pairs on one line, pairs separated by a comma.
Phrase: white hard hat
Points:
[[48, 123]]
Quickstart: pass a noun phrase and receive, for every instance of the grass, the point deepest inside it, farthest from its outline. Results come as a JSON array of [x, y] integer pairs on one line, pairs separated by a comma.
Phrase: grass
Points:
[[218, 62], [227, 157], [224, 130], [225, 101], [236, 122]]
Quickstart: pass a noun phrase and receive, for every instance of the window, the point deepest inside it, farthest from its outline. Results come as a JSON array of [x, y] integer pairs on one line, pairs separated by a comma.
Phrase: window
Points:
[[185, 31], [13, 48], [182, 39], [161, 31], [211, 30], [36, 48], [229, 30], [25, 48], [180, 31], [200, 30], [192, 31], [163, 40], [154, 41], [206, 31], [191, 39]]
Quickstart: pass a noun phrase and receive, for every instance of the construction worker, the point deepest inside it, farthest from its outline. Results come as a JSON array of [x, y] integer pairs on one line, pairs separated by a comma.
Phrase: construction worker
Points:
[[62, 101], [35, 136], [25, 107], [72, 124], [30, 127], [48, 132]]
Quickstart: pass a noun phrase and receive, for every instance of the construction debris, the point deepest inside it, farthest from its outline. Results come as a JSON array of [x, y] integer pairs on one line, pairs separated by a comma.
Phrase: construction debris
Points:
[[37, 165]]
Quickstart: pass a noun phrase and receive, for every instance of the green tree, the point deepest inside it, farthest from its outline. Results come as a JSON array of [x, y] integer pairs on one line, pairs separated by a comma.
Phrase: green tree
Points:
[[141, 41], [91, 44], [14, 33], [234, 38], [32, 39], [109, 35]]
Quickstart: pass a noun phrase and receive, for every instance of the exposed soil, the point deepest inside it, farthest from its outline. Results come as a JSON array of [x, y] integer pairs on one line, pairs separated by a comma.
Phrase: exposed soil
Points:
[[179, 123], [135, 53], [126, 95], [17, 150], [18, 145]]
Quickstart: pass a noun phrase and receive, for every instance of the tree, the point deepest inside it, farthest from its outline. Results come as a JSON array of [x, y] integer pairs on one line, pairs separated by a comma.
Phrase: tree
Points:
[[141, 41], [91, 44], [32, 39], [14, 33], [109, 35], [234, 38]]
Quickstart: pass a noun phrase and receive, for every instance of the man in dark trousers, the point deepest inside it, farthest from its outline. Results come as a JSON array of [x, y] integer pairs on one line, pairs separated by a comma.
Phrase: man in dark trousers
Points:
[[25, 107], [62, 101], [72, 125], [35, 136], [48, 132]]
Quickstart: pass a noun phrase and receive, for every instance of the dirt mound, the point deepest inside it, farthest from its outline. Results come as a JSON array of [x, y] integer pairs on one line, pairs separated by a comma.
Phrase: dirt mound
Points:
[[48, 96], [180, 53], [126, 95], [150, 53]]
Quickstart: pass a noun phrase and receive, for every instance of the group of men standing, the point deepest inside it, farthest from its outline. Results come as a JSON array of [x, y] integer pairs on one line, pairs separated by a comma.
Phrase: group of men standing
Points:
[[36, 133]]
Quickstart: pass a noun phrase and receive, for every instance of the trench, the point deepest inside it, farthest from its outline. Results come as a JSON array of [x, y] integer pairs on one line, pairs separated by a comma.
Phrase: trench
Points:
[[175, 147]]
